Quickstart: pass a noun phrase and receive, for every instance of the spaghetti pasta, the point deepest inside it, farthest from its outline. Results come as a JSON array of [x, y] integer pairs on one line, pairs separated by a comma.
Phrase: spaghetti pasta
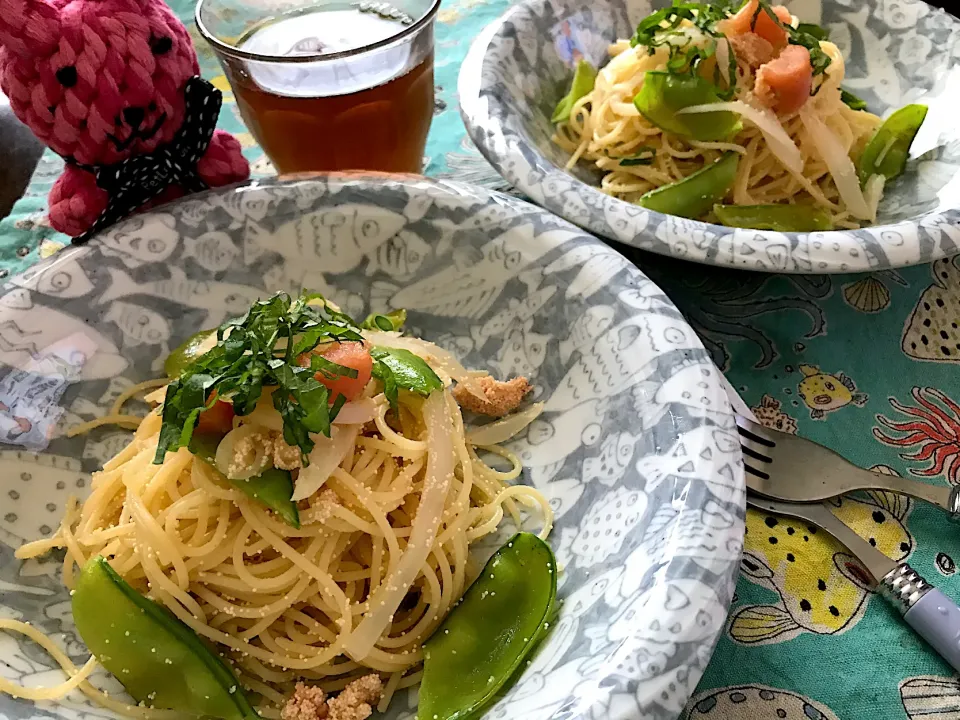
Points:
[[379, 558], [277, 597], [783, 159]]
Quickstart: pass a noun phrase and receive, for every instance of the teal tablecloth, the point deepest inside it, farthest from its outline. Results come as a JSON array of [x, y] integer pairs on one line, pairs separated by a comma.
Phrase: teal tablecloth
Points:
[[837, 359]]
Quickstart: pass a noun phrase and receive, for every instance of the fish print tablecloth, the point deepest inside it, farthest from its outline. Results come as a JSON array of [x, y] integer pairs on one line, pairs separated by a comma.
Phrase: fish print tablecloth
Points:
[[866, 364]]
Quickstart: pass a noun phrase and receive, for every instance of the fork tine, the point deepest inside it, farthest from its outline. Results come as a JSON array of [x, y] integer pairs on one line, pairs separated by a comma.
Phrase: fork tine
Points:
[[751, 453], [755, 446], [754, 442], [754, 431], [762, 474]]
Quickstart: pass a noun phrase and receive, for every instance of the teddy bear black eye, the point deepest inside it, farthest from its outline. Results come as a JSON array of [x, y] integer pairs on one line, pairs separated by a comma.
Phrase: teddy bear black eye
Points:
[[67, 76], [160, 45]]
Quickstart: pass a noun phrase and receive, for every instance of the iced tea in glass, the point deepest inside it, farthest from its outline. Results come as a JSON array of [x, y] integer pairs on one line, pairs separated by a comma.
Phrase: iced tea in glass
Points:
[[329, 85]]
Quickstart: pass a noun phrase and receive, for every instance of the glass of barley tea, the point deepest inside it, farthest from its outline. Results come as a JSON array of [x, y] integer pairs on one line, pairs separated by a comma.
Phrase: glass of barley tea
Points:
[[329, 84]]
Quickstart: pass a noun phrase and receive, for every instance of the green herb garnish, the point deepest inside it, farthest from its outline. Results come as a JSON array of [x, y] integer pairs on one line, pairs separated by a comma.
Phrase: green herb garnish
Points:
[[705, 16], [261, 349], [820, 33], [400, 369], [665, 28], [852, 101], [644, 155]]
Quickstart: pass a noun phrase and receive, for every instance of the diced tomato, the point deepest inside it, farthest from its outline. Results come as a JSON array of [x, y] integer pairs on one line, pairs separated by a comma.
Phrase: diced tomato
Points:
[[785, 82], [353, 355], [218, 419], [749, 20]]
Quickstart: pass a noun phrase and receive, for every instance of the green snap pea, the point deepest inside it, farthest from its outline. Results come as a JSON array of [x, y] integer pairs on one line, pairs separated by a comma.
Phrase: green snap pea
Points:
[[583, 79], [158, 659], [697, 193], [272, 488], [887, 152], [663, 94], [389, 322], [194, 346], [484, 640], [781, 218]]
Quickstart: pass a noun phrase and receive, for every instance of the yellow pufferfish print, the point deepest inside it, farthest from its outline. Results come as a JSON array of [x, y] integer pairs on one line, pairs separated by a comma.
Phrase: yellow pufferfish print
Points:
[[822, 588], [825, 393]]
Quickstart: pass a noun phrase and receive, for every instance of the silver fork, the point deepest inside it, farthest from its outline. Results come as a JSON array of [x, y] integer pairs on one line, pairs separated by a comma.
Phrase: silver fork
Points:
[[934, 616], [787, 467]]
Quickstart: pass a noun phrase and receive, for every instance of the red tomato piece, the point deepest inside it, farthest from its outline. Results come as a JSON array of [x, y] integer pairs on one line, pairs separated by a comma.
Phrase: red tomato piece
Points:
[[218, 419], [353, 355]]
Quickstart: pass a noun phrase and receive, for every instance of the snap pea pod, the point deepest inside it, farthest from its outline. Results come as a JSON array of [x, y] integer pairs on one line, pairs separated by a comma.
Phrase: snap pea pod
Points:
[[781, 218], [272, 488], [663, 94], [390, 322], [887, 152], [158, 659], [486, 637], [697, 193], [192, 348], [583, 79]]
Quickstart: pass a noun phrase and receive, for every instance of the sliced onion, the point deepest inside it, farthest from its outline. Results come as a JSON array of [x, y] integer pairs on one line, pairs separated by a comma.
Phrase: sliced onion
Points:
[[326, 456], [357, 412], [723, 60], [442, 362], [505, 428], [387, 598], [839, 164], [226, 450], [777, 139], [872, 193]]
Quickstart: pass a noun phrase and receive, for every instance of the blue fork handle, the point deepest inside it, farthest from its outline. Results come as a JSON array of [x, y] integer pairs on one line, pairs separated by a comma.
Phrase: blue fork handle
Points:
[[934, 616]]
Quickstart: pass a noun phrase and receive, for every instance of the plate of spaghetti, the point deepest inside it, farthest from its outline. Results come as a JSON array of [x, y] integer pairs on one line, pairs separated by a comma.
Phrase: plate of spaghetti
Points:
[[357, 447], [746, 134]]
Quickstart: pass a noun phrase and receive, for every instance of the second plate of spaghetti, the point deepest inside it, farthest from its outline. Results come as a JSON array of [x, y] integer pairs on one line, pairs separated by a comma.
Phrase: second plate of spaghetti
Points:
[[729, 133], [348, 448]]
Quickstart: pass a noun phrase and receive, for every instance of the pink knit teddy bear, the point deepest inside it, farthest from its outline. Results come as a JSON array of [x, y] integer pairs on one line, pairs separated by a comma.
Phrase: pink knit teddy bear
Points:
[[113, 87]]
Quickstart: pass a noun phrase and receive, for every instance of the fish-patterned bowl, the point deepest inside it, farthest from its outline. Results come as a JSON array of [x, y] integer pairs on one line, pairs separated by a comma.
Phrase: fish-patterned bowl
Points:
[[637, 449], [896, 51]]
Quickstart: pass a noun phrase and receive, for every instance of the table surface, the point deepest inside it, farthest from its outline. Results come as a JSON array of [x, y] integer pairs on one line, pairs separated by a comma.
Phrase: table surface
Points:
[[837, 359]]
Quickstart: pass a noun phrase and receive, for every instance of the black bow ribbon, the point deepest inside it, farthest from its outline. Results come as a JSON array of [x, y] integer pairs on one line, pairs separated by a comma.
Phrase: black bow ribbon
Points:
[[133, 182]]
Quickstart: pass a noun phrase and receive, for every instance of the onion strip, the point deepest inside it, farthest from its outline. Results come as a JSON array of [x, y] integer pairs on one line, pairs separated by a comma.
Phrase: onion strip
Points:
[[839, 164], [873, 193], [326, 456], [723, 60], [439, 474], [780, 143], [227, 459], [357, 412], [502, 430]]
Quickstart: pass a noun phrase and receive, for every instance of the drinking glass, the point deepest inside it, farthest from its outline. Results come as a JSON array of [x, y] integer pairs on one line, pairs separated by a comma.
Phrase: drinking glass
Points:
[[329, 85]]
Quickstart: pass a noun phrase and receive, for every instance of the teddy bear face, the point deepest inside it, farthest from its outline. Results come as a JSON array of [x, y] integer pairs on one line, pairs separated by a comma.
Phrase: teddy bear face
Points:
[[98, 81]]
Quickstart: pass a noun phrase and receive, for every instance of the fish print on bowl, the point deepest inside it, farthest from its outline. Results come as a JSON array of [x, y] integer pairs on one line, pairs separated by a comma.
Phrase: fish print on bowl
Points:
[[636, 451], [896, 53]]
